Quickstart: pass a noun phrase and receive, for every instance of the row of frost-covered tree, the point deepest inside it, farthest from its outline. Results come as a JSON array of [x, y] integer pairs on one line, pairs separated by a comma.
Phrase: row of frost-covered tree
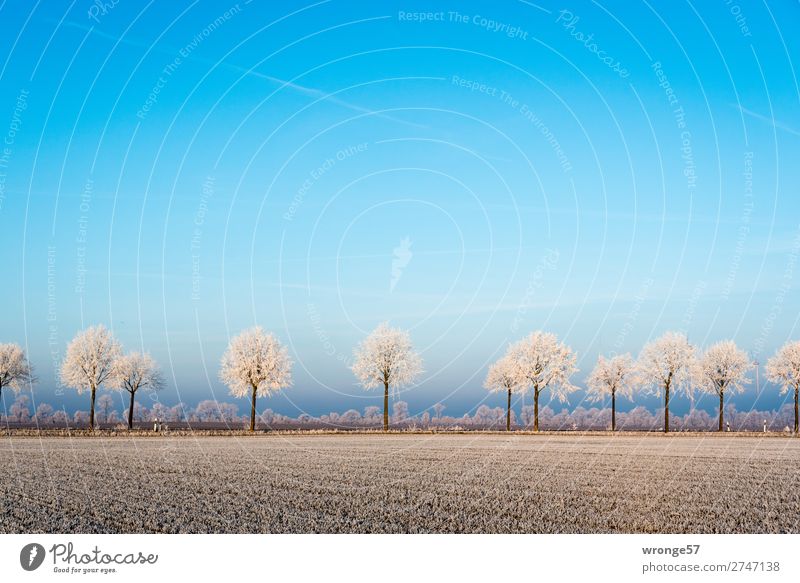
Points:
[[256, 364]]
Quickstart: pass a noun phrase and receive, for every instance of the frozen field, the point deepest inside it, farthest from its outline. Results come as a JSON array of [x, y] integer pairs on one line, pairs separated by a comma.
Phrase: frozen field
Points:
[[400, 483]]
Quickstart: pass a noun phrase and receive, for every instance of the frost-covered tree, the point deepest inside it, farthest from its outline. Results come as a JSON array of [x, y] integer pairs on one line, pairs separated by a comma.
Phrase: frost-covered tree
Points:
[[229, 413], [136, 371], [350, 417], [267, 417], [206, 411], [502, 376], [44, 412], [438, 409], [89, 362], [611, 377], [542, 362], [638, 418], [255, 364], [105, 404], [669, 365], [399, 411], [177, 413], [141, 413], [486, 416], [372, 414], [80, 418], [19, 410], [723, 369], [386, 357], [426, 419], [159, 411], [60, 418], [15, 370], [784, 369]]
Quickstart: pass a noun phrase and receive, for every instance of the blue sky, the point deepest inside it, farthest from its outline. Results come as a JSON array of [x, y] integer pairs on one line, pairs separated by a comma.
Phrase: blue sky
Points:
[[471, 171]]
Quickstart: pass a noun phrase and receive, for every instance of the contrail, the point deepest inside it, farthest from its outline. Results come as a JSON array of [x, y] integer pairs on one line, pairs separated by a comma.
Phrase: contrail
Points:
[[770, 120], [309, 91]]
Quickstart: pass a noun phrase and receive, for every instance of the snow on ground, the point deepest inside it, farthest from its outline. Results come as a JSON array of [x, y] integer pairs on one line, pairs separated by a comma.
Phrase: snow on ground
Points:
[[401, 483]]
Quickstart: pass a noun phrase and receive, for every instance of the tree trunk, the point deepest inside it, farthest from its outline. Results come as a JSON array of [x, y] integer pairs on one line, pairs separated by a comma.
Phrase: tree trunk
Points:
[[508, 412], [720, 409], [536, 410], [796, 390], [613, 410], [385, 406], [91, 410], [130, 411], [253, 411], [666, 408]]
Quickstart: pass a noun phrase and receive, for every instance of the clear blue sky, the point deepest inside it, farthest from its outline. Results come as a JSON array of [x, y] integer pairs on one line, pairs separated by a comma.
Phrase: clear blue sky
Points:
[[182, 170]]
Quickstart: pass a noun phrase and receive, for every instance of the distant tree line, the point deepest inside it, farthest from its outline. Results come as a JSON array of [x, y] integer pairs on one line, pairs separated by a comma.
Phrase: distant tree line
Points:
[[220, 414], [255, 364]]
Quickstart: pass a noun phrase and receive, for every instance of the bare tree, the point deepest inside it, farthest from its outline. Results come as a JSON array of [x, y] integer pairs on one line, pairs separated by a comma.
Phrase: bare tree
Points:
[[784, 369], [612, 376], [668, 364], [89, 362], [136, 371], [540, 362], [438, 408], [15, 370], [386, 357], [503, 377], [255, 363], [723, 369]]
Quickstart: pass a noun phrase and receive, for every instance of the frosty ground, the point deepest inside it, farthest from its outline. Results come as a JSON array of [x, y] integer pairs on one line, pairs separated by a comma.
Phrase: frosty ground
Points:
[[475, 483]]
